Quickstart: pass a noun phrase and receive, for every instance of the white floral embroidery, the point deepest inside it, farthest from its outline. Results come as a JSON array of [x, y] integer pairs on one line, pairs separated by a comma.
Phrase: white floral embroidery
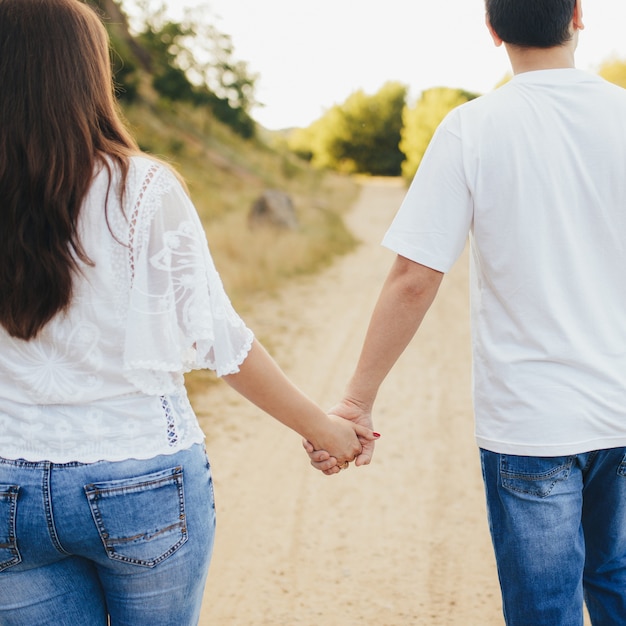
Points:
[[182, 259], [65, 368]]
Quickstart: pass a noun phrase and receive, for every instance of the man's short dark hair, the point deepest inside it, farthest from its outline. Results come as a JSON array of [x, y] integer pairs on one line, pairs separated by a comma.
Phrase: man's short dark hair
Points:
[[531, 23]]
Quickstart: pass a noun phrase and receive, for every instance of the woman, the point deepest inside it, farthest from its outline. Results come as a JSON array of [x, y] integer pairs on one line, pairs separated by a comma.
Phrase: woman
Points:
[[107, 296]]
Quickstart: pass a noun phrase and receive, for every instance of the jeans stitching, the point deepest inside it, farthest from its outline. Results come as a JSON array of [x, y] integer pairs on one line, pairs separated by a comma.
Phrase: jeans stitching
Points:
[[591, 457], [509, 478], [621, 468], [47, 496], [12, 546]]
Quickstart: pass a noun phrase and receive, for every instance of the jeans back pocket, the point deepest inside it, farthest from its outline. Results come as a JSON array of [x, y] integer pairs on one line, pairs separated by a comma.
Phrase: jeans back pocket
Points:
[[534, 476], [141, 520], [9, 554]]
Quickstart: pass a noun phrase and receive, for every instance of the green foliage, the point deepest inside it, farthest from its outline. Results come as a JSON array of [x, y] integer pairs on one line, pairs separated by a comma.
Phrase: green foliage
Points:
[[162, 39], [421, 122], [301, 140], [194, 62], [188, 61], [614, 70], [228, 78], [237, 118], [125, 69], [360, 136], [125, 54]]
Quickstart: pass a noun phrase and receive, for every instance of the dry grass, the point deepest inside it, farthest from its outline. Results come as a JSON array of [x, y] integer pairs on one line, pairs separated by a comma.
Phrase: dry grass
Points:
[[225, 174], [262, 258]]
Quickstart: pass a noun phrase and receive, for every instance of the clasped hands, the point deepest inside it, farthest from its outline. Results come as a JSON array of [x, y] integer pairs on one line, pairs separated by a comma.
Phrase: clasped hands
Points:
[[324, 461]]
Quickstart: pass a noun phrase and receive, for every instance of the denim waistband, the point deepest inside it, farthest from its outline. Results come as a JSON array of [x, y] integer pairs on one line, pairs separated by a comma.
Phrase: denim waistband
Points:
[[24, 464]]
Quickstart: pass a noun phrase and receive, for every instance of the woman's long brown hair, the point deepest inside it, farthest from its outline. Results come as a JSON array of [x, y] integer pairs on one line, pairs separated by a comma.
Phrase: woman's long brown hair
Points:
[[58, 117]]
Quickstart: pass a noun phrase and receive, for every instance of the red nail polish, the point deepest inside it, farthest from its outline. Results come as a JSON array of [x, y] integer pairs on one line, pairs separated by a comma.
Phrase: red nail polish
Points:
[[377, 435]]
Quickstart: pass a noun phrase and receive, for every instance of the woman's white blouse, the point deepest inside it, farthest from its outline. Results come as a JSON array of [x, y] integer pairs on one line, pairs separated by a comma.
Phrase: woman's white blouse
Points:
[[104, 379]]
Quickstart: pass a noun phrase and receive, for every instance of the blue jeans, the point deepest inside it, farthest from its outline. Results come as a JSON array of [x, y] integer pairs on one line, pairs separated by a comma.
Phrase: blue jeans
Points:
[[558, 526], [128, 541]]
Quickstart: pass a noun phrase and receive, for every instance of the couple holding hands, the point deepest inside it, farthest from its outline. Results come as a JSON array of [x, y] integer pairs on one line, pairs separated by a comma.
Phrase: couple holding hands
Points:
[[108, 295]]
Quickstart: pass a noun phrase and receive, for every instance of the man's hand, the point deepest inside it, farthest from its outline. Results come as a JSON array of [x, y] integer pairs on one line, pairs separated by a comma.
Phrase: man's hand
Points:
[[352, 411]]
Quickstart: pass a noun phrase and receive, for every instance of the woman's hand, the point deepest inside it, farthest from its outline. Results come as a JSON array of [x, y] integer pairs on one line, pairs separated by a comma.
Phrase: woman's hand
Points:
[[343, 443], [359, 417]]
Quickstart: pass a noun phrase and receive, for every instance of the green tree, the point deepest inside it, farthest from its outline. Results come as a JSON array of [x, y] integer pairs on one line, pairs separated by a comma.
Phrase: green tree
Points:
[[192, 61], [229, 78], [421, 121], [128, 58], [164, 41], [301, 140], [230, 81], [362, 135]]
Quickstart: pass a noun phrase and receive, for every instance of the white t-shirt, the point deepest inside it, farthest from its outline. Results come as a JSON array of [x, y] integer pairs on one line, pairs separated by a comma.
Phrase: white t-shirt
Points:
[[535, 172], [104, 380]]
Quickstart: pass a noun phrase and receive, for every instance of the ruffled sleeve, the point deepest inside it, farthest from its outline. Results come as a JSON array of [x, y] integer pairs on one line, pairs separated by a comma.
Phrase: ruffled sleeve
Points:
[[179, 315]]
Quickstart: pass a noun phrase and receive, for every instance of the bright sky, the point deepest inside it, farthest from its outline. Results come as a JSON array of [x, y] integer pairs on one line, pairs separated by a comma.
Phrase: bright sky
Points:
[[312, 55]]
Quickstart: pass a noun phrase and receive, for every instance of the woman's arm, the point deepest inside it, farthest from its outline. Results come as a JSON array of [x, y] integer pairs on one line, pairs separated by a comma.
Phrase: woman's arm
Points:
[[261, 381]]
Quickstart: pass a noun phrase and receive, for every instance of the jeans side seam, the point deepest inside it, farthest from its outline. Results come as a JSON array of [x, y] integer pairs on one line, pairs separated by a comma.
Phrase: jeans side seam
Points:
[[47, 497]]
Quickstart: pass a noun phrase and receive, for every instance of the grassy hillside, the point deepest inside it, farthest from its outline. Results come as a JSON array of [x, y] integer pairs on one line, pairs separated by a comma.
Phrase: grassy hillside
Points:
[[225, 174]]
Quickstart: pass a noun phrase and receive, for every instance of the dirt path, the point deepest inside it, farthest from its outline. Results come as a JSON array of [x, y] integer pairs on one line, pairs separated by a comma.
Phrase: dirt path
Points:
[[403, 541]]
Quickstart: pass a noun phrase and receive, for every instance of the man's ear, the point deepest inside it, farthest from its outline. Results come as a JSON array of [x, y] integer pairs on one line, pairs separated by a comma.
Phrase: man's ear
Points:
[[496, 39], [578, 16]]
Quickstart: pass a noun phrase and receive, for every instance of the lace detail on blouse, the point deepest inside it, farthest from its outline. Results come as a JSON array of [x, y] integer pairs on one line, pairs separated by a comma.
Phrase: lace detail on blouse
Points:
[[180, 317], [147, 204], [172, 436]]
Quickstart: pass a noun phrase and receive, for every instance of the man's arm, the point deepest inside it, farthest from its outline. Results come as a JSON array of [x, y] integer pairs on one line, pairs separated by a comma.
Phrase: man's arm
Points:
[[406, 296]]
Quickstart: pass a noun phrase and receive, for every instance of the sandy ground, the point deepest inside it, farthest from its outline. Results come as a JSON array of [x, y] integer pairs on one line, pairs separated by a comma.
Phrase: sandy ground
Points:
[[403, 541]]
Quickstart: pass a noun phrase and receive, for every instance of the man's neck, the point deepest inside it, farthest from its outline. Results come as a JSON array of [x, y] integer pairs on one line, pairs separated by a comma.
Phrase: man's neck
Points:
[[533, 59]]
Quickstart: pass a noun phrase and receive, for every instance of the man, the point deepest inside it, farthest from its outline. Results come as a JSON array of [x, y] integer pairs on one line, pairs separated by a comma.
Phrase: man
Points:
[[535, 173]]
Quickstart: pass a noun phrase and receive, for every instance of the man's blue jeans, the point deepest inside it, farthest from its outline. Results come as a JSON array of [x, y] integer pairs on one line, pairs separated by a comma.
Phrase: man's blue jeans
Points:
[[131, 539], [558, 526]]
